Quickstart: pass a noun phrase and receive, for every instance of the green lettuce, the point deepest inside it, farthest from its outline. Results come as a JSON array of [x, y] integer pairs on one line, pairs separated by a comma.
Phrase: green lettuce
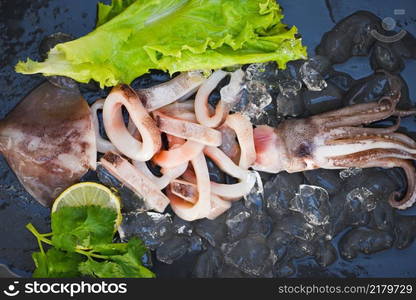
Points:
[[133, 37], [107, 12]]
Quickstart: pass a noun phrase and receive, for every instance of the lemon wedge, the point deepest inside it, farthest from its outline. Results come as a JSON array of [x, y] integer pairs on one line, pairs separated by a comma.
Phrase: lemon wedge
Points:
[[88, 194]]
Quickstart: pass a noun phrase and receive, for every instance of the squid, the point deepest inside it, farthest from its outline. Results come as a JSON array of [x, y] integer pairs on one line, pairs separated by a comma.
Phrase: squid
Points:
[[51, 139], [103, 145], [230, 94], [135, 180], [195, 130], [117, 131], [48, 141], [338, 140], [180, 87]]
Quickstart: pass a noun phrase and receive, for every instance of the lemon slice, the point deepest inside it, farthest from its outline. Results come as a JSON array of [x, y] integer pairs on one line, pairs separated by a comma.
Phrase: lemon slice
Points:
[[86, 194]]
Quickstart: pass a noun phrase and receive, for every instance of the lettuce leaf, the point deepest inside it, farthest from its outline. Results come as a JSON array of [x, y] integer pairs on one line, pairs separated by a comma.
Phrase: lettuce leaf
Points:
[[172, 35], [107, 12]]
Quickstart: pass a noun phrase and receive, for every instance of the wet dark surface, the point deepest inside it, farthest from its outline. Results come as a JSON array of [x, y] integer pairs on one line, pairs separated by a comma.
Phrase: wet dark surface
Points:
[[24, 23]]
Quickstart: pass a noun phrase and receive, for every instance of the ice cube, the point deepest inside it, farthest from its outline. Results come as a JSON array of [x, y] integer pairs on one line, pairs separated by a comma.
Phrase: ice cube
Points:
[[313, 203], [324, 178], [172, 249], [251, 255], [360, 199], [292, 105], [279, 191], [346, 173], [258, 82], [196, 244], [289, 87], [213, 231], [311, 77], [229, 271], [296, 226], [182, 227], [152, 228], [325, 253], [285, 269], [258, 98], [279, 242], [261, 224], [238, 221], [255, 199]]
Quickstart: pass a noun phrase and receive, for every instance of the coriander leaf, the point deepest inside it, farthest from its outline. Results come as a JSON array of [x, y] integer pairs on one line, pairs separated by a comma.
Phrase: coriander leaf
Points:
[[127, 265], [105, 269], [131, 263], [172, 35], [82, 227], [110, 249], [56, 264], [136, 248], [41, 264]]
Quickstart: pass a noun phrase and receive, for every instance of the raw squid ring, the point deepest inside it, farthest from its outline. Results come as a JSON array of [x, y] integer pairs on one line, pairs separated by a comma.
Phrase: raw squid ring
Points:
[[244, 131], [230, 94], [103, 145], [230, 191], [187, 210], [179, 155], [117, 132], [135, 180], [201, 102], [180, 87], [188, 189], [188, 130], [166, 178]]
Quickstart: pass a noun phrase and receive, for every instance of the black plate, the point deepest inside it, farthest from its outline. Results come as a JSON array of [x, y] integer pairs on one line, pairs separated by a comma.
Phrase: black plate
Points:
[[23, 24]]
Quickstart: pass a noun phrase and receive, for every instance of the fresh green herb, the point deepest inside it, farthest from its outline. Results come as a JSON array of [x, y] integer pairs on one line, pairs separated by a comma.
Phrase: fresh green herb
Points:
[[122, 265], [81, 241], [135, 36], [82, 227]]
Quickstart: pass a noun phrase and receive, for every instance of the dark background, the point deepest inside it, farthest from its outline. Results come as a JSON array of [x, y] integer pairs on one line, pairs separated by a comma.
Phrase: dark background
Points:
[[23, 24]]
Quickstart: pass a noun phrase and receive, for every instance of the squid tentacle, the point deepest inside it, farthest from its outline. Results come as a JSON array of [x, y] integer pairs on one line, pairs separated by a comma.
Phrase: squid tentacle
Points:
[[365, 117], [352, 110], [363, 143], [363, 113], [368, 160], [362, 159], [343, 132]]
